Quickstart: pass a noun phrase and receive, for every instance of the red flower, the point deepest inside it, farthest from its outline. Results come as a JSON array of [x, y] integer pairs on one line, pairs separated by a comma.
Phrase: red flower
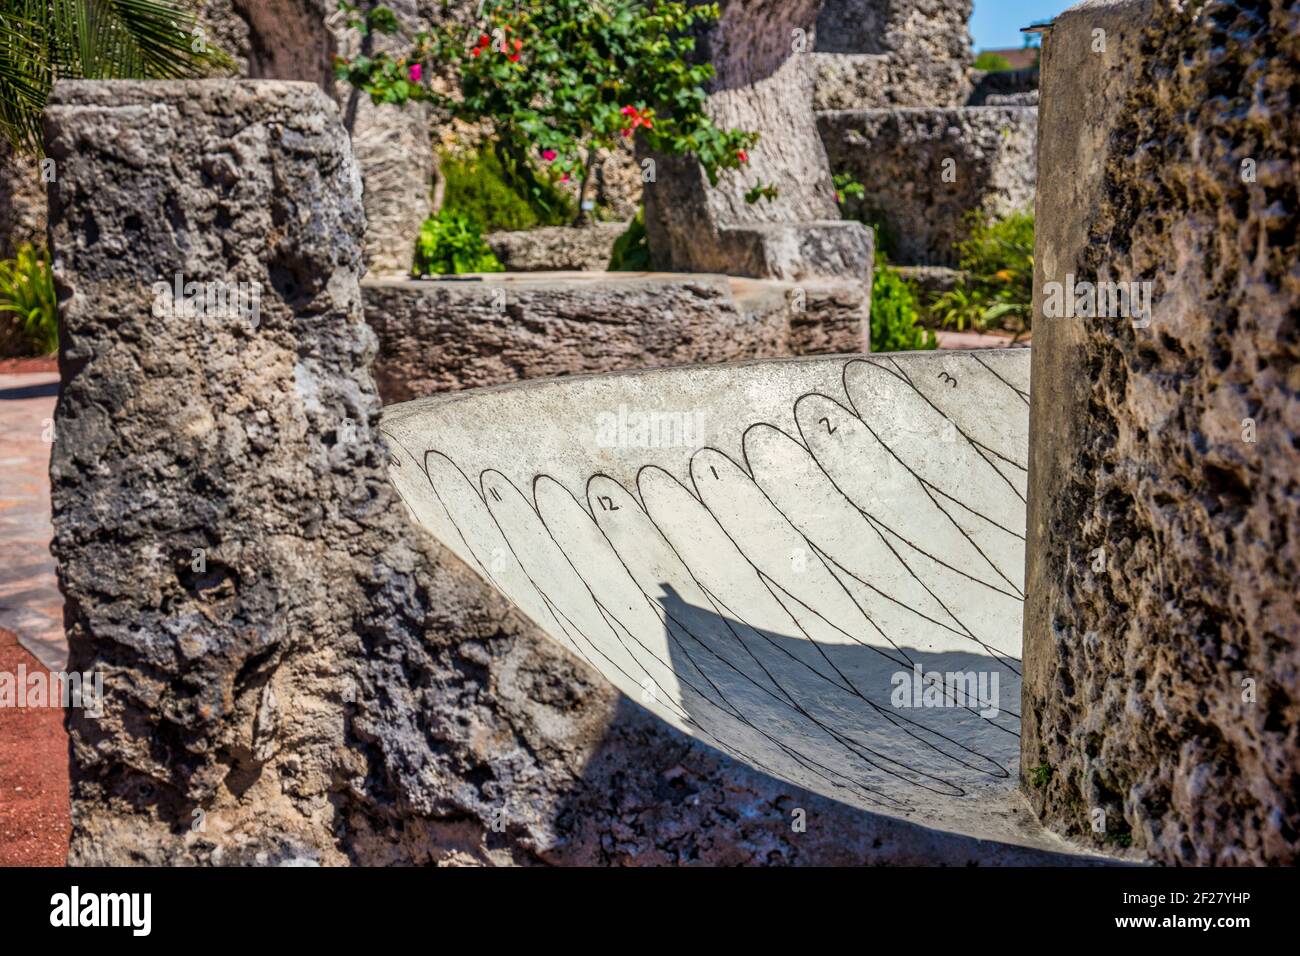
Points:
[[549, 155], [514, 57], [742, 155], [637, 119]]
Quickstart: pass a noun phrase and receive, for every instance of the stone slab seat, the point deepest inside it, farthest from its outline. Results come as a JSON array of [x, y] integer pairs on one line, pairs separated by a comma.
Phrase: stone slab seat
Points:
[[797, 251], [467, 331]]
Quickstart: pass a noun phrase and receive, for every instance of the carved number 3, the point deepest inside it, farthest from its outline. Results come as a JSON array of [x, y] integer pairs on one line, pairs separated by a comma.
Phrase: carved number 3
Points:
[[945, 377]]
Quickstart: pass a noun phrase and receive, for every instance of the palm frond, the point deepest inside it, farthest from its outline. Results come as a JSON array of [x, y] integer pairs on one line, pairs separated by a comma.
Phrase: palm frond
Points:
[[24, 79], [45, 40]]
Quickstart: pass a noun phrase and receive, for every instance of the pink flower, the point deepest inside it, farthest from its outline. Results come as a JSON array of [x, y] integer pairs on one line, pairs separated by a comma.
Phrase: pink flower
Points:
[[549, 155], [564, 178], [415, 72]]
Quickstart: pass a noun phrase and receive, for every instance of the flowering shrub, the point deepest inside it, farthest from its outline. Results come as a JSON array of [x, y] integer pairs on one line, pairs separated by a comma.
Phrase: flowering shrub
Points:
[[561, 79]]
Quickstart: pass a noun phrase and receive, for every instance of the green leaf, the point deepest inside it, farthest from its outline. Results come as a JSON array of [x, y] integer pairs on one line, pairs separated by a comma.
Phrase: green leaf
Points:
[[45, 40]]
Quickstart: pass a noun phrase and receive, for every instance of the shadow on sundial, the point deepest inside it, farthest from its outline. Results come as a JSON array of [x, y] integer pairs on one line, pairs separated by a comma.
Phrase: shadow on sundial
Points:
[[871, 724]]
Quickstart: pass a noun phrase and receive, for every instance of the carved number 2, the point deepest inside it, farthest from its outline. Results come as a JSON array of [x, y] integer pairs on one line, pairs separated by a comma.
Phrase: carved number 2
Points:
[[607, 503], [830, 429]]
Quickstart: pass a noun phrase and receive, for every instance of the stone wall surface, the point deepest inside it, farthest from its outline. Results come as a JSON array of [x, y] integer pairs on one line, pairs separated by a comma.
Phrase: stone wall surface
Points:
[[934, 30], [437, 336], [223, 679], [761, 84], [847, 81], [298, 40], [1162, 633], [873, 54], [22, 201], [319, 683], [925, 170]]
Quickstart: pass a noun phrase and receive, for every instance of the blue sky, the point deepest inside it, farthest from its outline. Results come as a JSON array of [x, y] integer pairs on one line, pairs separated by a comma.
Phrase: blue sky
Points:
[[997, 23]]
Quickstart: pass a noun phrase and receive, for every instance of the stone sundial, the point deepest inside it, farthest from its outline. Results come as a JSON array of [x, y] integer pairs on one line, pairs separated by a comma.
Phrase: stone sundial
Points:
[[813, 565]]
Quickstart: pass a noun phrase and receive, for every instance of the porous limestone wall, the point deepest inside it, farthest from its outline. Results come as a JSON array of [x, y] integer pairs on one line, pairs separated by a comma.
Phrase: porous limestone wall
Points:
[[894, 91], [293, 40], [298, 40], [22, 201], [292, 672], [214, 522], [1162, 632], [763, 83], [437, 336], [925, 170], [850, 81], [884, 53]]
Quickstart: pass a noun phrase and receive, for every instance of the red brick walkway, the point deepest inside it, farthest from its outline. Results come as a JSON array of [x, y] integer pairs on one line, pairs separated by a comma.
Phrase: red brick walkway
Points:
[[30, 603], [34, 811]]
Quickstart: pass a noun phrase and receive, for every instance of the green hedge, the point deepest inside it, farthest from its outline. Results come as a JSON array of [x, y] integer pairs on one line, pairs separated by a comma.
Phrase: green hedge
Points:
[[451, 243], [479, 186], [895, 319]]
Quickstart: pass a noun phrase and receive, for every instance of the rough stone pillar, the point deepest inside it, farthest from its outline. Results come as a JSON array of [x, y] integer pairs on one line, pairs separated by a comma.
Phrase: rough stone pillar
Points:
[[763, 83], [212, 473], [298, 40], [1162, 633]]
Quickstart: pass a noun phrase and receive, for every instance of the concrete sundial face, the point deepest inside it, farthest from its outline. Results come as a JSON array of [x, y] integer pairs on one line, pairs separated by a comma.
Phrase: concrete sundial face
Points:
[[814, 565]]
